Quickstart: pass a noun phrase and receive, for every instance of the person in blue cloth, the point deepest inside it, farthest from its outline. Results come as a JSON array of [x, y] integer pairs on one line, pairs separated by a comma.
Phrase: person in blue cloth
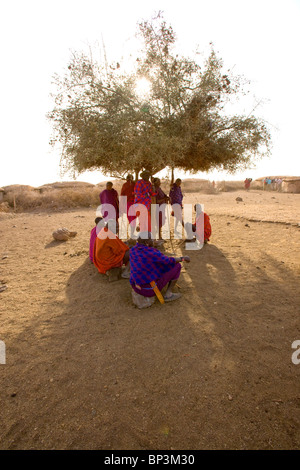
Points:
[[148, 264]]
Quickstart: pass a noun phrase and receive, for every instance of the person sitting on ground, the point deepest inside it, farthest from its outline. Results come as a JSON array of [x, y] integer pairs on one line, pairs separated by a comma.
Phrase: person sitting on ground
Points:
[[93, 235], [110, 252], [148, 264], [201, 229]]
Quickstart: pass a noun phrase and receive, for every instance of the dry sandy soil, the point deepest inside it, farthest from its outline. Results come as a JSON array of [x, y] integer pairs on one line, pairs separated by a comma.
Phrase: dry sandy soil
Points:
[[85, 369]]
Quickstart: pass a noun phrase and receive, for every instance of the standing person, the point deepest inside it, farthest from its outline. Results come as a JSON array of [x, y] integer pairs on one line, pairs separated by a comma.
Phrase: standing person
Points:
[[279, 183], [161, 198], [142, 195], [128, 191], [264, 183], [175, 194], [148, 264], [176, 197], [110, 196], [247, 183]]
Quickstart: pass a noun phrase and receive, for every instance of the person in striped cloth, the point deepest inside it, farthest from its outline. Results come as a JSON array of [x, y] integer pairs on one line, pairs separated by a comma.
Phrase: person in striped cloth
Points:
[[143, 192], [148, 264]]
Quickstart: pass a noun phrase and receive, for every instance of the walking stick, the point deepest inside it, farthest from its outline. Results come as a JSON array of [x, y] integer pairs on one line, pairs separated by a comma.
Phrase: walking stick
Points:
[[170, 230]]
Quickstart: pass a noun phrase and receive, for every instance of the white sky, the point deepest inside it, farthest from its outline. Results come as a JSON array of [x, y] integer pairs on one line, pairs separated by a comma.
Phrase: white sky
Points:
[[260, 39]]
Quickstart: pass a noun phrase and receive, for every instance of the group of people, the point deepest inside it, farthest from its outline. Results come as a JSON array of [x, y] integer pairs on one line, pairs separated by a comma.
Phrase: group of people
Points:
[[272, 184], [146, 267], [143, 192]]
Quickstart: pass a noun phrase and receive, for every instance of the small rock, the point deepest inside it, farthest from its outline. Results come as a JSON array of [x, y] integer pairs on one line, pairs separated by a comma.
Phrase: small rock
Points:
[[3, 288], [230, 398], [4, 257], [239, 199], [63, 234], [247, 225]]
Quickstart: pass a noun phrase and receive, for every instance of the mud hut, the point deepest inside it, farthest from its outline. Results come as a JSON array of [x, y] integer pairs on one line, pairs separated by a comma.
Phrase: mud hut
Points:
[[291, 184]]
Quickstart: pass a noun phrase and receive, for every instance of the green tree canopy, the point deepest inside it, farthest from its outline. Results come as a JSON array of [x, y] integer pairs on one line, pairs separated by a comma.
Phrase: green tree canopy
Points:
[[102, 122]]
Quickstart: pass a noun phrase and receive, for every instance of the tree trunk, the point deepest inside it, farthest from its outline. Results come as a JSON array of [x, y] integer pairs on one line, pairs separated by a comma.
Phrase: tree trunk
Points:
[[172, 175]]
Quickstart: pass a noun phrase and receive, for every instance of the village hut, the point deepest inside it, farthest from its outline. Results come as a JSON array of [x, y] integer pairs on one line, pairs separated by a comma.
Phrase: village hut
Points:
[[291, 184], [1, 194]]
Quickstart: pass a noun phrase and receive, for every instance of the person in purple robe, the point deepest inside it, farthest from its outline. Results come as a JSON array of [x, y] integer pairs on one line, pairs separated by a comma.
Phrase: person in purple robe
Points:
[[175, 194], [93, 235], [176, 198], [110, 196]]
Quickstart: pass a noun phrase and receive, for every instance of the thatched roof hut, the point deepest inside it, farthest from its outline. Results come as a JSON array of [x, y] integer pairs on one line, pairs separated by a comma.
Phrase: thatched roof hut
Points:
[[17, 188], [77, 185]]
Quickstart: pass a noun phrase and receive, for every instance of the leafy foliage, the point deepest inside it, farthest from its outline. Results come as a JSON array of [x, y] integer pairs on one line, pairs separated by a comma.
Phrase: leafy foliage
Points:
[[103, 123]]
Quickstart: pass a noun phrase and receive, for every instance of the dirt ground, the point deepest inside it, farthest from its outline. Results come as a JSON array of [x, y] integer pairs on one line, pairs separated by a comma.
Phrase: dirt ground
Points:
[[85, 369]]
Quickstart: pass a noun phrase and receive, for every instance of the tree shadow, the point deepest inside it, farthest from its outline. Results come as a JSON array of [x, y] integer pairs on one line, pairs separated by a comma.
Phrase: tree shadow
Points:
[[177, 375]]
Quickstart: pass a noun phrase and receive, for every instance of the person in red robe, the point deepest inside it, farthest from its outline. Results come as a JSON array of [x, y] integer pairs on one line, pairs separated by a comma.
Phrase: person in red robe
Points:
[[128, 191], [143, 193], [202, 226], [201, 229]]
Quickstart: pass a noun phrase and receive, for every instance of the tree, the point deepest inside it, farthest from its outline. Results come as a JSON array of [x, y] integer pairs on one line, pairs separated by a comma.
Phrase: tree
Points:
[[103, 123]]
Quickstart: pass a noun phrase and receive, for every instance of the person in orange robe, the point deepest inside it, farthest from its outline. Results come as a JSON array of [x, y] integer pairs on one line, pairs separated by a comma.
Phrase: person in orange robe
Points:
[[110, 252]]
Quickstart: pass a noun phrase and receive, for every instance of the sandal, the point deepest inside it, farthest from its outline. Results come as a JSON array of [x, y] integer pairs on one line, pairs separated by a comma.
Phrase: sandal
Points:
[[172, 297]]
